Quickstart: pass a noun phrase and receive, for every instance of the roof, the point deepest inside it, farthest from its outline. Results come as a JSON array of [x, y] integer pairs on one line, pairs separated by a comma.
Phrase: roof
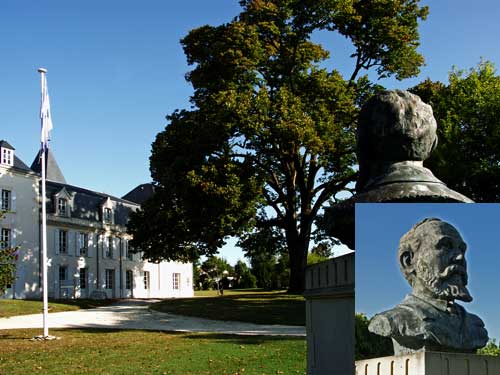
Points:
[[5, 144], [19, 164], [52, 170], [87, 204], [140, 194]]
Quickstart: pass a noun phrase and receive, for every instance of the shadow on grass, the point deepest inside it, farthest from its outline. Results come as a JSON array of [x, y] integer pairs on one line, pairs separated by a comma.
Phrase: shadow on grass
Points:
[[8, 336], [278, 308], [28, 334], [242, 339]]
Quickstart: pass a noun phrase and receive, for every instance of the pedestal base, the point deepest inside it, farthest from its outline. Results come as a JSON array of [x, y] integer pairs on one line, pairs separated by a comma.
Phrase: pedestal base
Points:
[[330, 316], [430, 363]]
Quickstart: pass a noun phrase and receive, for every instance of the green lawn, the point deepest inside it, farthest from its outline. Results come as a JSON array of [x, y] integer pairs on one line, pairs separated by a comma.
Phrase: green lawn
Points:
[[13, 307], [240, 305], [142, 352]]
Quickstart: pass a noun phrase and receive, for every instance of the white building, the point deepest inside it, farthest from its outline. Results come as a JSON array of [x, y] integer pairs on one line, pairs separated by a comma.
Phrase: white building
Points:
[[20, 225], [87, 243]]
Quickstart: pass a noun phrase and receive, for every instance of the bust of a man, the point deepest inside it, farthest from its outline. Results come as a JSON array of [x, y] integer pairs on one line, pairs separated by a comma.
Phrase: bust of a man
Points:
[[432, 259], [396, 133]]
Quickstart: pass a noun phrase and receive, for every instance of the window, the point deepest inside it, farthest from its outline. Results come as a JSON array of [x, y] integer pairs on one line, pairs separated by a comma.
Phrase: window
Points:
[[128, 251], [110, 279], [129, 279], [83, 278], [109, 247], [5, 236], [7, 157], [146, 279], [62, 207], [63, 273], [6, 200], [108, 215], [84, 243], [176, 281], [63, 242]]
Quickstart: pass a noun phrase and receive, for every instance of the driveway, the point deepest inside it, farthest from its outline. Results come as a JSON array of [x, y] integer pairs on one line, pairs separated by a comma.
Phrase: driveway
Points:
[[134, 314]]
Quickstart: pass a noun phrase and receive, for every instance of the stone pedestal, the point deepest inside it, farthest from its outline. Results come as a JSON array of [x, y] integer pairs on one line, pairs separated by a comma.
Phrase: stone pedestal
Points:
[[430, 363], [330, 316]]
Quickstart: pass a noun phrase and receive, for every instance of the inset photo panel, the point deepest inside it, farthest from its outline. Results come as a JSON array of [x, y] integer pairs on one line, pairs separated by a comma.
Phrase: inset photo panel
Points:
[[427, 282]]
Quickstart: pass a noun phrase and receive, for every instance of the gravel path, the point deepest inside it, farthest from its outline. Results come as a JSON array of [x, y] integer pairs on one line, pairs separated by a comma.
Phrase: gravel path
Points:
[[134, 314]]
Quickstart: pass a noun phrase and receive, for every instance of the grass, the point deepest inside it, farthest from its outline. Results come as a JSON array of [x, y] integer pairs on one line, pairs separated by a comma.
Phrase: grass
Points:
[[13, 307], [254, 306], [143, 352]]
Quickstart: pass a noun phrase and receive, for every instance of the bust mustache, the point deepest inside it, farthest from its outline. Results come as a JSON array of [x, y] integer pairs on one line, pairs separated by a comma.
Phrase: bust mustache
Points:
[[450, 284]]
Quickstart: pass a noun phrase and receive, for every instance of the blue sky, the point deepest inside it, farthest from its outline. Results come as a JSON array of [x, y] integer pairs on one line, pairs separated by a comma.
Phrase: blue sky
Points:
[[379, 283], [116, 69]]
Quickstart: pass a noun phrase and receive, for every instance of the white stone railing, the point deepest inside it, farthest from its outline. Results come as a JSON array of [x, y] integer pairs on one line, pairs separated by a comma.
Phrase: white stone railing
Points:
[[430, 363], [335, 272]]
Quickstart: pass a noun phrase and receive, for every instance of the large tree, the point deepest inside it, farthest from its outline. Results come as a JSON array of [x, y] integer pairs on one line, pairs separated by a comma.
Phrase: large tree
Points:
[[270, 128], [467, 112], [264, 247]]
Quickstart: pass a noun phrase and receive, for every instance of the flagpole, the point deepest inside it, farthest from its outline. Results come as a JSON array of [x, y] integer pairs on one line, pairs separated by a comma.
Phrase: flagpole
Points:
[[42, 72]]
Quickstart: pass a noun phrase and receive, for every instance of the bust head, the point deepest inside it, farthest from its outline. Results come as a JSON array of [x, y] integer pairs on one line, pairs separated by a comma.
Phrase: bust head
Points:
[[394, 126], [432, 259]]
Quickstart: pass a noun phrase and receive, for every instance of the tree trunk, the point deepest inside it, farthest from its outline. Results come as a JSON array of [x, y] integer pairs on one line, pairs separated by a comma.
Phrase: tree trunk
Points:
[[297, 250]]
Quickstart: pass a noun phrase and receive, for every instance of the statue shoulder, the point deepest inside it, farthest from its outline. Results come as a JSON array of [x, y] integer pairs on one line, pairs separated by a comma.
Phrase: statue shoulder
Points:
[[474, 320], [390, 323]]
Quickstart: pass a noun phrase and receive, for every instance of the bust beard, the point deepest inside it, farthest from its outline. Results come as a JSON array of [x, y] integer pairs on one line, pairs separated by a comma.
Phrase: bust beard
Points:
[[448, 285]]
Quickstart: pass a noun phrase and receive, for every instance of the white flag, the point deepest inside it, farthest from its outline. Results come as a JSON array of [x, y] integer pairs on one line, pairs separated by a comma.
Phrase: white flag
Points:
[[45, 115]]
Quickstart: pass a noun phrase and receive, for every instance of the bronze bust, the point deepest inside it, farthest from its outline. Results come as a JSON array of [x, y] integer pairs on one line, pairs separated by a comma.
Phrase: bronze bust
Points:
[[396, 133], [432, 259]]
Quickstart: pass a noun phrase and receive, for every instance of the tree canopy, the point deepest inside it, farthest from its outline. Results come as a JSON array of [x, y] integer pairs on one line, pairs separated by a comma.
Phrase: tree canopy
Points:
[[467, 110], [270, 128]]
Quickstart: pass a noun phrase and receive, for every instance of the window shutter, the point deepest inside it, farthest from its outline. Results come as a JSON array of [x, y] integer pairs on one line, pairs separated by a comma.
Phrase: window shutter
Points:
[[90, 245], [110, 243], [76, 282], [90, 281], [56, 281], [56, 241], [13, 237], [105, 246], [102, 243], [115, 253], [71, 242], [75, 279], [13, 201], [78, 243]]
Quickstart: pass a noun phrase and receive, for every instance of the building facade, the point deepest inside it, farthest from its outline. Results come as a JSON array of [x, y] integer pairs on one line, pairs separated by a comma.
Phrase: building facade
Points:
[[20, 224], [87, 244]]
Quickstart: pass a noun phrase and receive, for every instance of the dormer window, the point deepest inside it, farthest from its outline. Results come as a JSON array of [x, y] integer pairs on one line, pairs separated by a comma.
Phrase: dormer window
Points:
[[108, 215], [62, 207], [63, 202], [7, 157]]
